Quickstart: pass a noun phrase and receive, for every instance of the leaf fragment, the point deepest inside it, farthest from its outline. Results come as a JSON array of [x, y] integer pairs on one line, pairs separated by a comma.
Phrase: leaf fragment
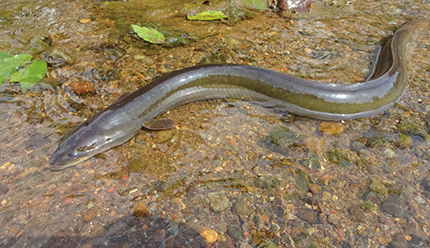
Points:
[[30, 75], [149, 35], [4, 55], [207, 16], [11, 64]]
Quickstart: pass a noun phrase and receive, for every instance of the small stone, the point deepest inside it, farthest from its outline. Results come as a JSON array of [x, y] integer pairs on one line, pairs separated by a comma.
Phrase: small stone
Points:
[[369, 205], [221, 238], [3, 188], [280, 134], [140, 210], [56, 57], [170, 242], [420, 200], [426, 156], [235, 232], [231, 147], [425, 182], [163, 136], [389, 153], [393, 209], [218, 202], [315, 144], [245, 245], [325, 196], [91, 214], [159, 235], [5, 165], [265, 217], [100, 231], [163, 147], [210, 235], [378, 187], [84, 21], [404, 141], [77, 187], [314, 188], [162, 69], [334, 128], [307, 215], [241, 208], [81, 87], [357, 215], [428, 108]]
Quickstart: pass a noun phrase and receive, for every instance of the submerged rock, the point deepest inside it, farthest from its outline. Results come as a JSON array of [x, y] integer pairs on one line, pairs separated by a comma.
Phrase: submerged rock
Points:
[[56, 57], [218, 202], [235, 232], [140, 210]]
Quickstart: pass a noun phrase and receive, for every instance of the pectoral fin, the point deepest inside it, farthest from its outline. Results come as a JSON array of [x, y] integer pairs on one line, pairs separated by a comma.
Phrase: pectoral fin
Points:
[[160, 124]]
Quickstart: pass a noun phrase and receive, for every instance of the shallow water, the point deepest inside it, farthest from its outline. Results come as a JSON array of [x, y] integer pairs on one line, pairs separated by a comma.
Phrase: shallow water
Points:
[[232, 174]]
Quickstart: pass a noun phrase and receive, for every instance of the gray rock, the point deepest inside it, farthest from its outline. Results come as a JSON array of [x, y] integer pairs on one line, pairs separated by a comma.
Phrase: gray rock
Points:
[[235, 232], [218, 202]]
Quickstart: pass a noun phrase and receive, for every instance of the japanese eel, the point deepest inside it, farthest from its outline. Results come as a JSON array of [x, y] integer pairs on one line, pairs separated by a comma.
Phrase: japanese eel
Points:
[[124, 118]]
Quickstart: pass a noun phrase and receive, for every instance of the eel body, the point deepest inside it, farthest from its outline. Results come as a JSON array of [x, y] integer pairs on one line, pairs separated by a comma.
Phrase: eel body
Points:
[[123, 119]]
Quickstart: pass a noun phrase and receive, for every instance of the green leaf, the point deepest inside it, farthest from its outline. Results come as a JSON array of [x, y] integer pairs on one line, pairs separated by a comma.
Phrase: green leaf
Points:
[[16, 76], [3, 76], [28, 76], [32, 74], [4, 55], [149, 35], [207, 16], [11, 64]]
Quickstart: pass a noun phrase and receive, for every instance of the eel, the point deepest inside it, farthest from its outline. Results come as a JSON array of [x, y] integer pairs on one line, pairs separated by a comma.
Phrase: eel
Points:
[[124, 118]]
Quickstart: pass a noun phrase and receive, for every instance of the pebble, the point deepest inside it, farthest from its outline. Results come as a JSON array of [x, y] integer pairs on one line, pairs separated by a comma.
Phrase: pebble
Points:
[[325, 196], [315, 143], [420, 200], [163, 136], [91, 214], [5, 165], [210, 235], [81, 87], [163, 147], [314, 188], [3, 188], [140, 210], [159, 235], [84, 21], [334, 128], [405, 141], [389, 153], [241, 208], [235, 232], [56, 57], [357, 215], [218, 202], [378, 187], [426, 183], [307, 215], [393, 209]]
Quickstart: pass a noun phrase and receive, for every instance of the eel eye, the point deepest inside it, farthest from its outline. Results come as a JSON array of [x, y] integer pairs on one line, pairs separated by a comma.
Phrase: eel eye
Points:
[[73, 155]]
